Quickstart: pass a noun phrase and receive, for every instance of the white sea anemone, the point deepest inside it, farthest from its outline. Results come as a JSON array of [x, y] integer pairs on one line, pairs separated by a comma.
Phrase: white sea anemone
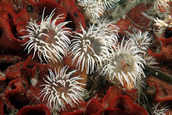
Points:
[[47, 39], [62, 89], [161, 3], [90, 47], [160, 23], [167, 22], [108, 30], [125, 64], [163, 24], [140, 39], [108, 26], [108, 4], [150, 61], [159, 109], [92, 8]]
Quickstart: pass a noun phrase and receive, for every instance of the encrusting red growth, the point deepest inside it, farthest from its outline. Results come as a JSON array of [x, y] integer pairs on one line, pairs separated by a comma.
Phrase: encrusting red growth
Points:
[[14, 71], [133, 19], [125, 106], [49, 6], [34, 72], [113, 103], [20, 81], [117, 103], [23, 87], [9, 59], [15, 94], [137, 18], [74, 14], [6, 60], [39, 109], [1, 108], [163, 90], [165, 53], [8, 40], [123, 24]]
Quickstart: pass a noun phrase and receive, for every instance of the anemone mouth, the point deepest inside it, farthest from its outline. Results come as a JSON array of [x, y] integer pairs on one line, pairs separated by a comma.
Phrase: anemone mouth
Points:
[[97, 45], [48, 36], [123, 62], [92, 46], [61, 86]]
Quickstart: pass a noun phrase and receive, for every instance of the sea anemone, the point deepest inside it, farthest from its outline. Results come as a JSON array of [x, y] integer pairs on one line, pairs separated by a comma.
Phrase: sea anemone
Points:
[[161, 3], [162, 25], [159, 109], [124, 64], [150, 61], [166, 22], [90, 47], [109, 4], [49, 40], [92, 8], [140, 39], [62, 89], [108, 27]]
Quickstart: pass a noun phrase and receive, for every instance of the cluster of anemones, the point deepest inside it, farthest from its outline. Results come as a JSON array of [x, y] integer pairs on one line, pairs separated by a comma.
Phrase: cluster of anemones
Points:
[[95, 48], [49, 41], [128, 58]]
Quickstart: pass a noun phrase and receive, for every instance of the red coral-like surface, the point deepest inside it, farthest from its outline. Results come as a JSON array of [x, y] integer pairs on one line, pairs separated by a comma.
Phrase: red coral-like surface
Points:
[[163, 90], [165, 53], [39, 109], [113, 103]]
